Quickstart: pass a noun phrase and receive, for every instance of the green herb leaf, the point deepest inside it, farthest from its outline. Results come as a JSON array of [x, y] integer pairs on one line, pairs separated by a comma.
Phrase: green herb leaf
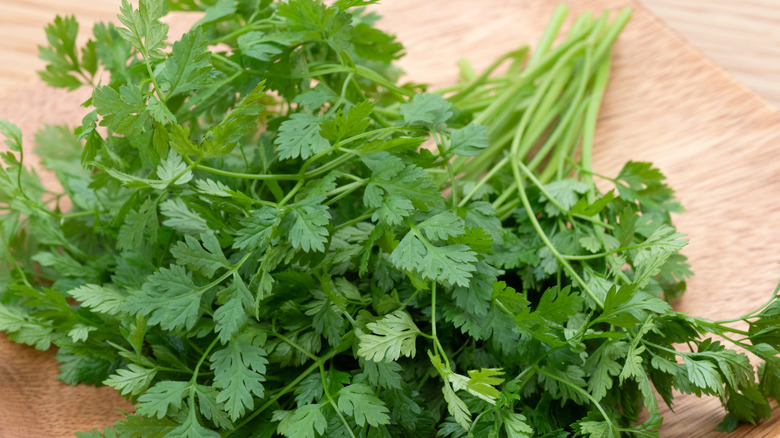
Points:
[[305, 422], [391, 337], [204, 255], [169, 299], [427, 110], [360, 402], [306, 224], [165, 395], [189, 65], [239, 370], [300, 137], [131, 381], [469, 140]]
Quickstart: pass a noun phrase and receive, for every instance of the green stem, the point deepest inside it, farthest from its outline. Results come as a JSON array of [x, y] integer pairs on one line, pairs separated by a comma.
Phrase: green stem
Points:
[[19, 269], [484, 77], [295, 345], [613, 31], [532, 122], [572, 110], [350, 154], [563, 153], [145, 55], [550, 33], [719, 329], [379, 131], [244, 30], [354, 221], [334, 164], [203, 359], [281, 177], [753, 313], [433, 327], [548, 88], [584, 393], [236, 66], [345, 344], [343, 191], [174, 370], [194, 346], [78, 214], [482, 181], [621, 249], [380, 80], [291, 193], [326, 390], [229, 272], [442, 151], [662, 348], [589, 127], [411, 297], [535, 223], [532, 73], [530, 175]]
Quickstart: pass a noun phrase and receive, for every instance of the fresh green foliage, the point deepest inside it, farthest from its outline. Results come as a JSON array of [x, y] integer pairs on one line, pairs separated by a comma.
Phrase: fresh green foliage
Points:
[[391, 337], [256, 244]]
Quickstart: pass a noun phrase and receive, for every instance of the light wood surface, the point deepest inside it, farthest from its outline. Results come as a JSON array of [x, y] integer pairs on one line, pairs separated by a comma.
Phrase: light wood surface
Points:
[[717, 142], [742, 36], [21, 31]]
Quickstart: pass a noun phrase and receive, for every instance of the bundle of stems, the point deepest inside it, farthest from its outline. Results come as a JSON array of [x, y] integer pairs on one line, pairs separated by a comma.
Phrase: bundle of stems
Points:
[[541, 113]]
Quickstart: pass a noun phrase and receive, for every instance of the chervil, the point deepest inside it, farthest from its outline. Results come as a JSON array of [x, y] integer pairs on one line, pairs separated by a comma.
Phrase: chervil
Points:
[[258, 244]]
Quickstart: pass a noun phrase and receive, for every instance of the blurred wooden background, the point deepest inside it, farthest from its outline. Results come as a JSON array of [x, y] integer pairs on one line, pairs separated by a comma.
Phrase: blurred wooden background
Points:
[[742, 36]]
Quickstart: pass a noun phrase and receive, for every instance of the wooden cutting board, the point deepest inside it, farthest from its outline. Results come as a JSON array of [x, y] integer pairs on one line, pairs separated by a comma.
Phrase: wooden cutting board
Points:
[[718, 143]]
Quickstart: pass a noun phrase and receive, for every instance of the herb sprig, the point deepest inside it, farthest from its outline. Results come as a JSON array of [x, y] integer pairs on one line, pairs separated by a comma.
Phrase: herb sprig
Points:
[[267, 233]]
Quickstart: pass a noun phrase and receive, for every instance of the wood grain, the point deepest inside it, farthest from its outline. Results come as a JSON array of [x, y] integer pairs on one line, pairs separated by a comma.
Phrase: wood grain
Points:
[[21, 31], [743, 36], [35, 405], [717, 142]]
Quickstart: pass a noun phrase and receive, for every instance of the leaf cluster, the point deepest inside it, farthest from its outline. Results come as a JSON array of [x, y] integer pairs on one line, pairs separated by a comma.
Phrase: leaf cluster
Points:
[[267, 234]]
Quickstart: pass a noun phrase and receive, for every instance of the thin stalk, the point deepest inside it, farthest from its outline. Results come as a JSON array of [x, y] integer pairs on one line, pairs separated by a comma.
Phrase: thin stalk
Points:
[[484, 77], [229, 272], [244, 30], [589, 126], [755, 312], [586, 394], [550, 33], [551, 91], [203, 359], [614, 29], [535, 223], [556, 167], [332, 402], [251, 176], [354, 221], [442, 151], [433, 327], [160, 96], [572, 110], [532, 72], [482, 181], [291, 193], [343, 191], [295, 345], [557, 75], [381, 80], [477, 165], [344, 345]]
